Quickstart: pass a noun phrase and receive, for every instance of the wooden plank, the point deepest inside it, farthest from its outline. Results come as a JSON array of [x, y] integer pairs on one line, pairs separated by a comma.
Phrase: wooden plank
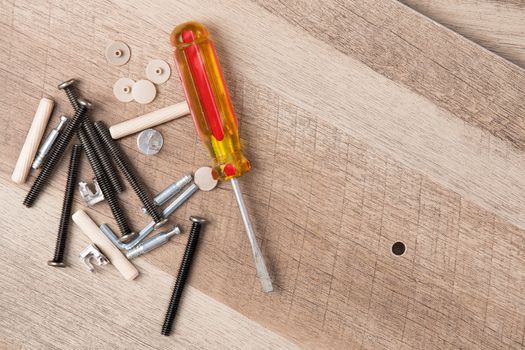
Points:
[[496, 25], [347, 160], [411, 50], [46, 307]]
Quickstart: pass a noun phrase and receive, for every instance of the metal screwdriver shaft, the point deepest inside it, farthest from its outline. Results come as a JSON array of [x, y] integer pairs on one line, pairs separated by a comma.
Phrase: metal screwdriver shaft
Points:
[[260, 264]]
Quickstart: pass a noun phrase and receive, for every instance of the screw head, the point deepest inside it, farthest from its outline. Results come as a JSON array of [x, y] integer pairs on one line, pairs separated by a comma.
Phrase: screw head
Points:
[[84, 103], [56, 263], [128, 237], [197, 219], [160, 223], [65, 84]]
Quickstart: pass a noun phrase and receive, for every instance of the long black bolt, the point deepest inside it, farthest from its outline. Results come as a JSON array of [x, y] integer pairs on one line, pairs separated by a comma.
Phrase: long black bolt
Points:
[[183, 274], [56, 153], [71, 94], [130, 174], [102, 155], [105, 186], [65, 217]]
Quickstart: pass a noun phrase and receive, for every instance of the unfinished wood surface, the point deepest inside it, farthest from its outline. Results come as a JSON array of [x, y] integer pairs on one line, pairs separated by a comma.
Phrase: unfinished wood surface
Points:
[[498, 25], [48, 308], [353, 115]]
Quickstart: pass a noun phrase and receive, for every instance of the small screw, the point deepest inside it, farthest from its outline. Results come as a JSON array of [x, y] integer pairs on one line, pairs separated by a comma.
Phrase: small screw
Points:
[[65, 217], [102, 155], [152, 243], [71, 94], [56, 153], [130, 174], [107, 190], [182, 275]]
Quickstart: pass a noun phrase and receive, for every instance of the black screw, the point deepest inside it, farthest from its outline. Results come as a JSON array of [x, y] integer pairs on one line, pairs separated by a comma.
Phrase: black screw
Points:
[[65, 217], [68, 88], [102, 155], [183, 274], [105, 186], [130, 174], [56, 153]]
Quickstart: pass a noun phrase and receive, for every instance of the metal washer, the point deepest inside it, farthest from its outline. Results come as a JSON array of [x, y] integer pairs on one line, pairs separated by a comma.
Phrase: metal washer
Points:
[[150, 142], [118, 53]]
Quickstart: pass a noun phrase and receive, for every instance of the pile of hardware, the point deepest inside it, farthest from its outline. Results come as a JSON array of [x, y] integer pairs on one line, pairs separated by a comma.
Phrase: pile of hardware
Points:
[[212, 111]]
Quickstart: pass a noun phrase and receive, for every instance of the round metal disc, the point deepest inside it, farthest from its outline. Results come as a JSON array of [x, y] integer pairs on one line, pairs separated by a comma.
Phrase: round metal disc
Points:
[[118, 53], [144, 91], [158, 71], [203, 178], [122, 89], [150, 142]]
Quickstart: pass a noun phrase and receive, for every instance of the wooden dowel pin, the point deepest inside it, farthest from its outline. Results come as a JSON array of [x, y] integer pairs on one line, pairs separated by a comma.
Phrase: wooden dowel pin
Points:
[[33, 139], [149, 120]]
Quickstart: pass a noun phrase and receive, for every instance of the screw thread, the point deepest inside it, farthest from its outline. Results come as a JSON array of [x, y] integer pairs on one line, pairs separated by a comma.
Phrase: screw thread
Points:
[[181, 278], [128, 171], [102, 155], [55, 155], [72, 96], [65, 217], [106, 188]]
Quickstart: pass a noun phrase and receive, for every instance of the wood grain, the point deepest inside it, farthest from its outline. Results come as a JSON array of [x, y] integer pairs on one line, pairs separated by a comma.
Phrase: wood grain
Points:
[[358, 138], [437, 64], [71, 308], [498, 25]]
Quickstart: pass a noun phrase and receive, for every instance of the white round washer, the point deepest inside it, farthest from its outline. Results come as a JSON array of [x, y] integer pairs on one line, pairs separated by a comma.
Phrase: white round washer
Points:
[[122, 89], [203, 178], [118, 53], [158, 71], [143, 91]]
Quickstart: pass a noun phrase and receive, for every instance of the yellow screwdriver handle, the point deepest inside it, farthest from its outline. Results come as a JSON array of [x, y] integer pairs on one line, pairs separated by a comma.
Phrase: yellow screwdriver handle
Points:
[[208, 98]]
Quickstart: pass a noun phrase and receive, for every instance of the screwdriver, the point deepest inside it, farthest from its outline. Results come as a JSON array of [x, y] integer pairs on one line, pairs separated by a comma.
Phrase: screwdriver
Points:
[[214, 118]]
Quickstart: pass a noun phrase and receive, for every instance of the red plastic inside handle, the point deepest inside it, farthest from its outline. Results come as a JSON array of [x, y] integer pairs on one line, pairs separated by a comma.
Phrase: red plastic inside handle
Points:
[[203, 86]]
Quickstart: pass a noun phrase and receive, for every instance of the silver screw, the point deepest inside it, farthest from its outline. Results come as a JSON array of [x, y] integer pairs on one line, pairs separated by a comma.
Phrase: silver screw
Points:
[[152, 243], [166, 213], [170, 191], [48, 143]]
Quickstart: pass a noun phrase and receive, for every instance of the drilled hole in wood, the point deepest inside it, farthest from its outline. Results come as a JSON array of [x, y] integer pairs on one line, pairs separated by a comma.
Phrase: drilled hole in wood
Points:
[[398, 248]]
